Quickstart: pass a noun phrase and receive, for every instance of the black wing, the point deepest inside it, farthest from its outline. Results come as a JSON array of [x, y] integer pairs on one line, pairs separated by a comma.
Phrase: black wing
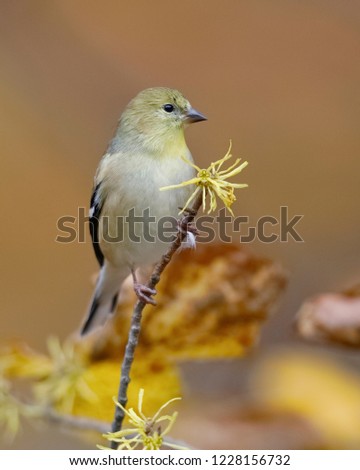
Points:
[[95, 212]]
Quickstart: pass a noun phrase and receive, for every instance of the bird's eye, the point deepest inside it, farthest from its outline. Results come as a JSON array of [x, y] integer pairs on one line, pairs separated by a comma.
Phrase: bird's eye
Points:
[[169, 108]]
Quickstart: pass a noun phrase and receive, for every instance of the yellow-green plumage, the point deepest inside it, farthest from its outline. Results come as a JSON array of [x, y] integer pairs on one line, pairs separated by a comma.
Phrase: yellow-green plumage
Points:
[[145, 154]]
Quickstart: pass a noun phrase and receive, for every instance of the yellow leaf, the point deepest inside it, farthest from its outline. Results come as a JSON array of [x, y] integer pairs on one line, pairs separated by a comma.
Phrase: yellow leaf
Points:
[[318, 389]]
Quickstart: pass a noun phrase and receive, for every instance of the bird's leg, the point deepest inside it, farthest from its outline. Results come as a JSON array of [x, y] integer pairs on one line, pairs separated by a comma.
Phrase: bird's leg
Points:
[[189, 227], [189, 230], [144, 293]]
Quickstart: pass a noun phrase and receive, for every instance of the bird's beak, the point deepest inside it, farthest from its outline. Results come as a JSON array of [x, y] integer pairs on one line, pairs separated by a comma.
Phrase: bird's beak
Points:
[[194, 116]]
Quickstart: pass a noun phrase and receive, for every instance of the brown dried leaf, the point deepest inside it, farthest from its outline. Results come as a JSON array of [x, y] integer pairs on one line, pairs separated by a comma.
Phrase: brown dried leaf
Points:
[[211, 304], [332, 318], [315, 388]]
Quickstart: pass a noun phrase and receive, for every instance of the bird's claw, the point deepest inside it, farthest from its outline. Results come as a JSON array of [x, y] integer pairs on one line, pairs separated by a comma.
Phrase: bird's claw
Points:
[[190, 227], [144, 293]]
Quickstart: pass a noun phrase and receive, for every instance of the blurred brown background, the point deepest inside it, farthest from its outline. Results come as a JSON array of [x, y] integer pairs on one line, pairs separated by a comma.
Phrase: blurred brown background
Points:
[[280, 78]]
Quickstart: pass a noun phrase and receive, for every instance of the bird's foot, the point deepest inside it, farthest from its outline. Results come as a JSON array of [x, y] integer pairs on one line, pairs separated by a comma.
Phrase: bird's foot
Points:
[[186, 228], [191, 228], [190, 231], [144, 293]]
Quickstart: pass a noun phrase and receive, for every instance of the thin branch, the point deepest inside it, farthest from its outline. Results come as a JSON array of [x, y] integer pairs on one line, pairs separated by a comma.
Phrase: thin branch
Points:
[[88, 424], [135, 326], [77, 422]]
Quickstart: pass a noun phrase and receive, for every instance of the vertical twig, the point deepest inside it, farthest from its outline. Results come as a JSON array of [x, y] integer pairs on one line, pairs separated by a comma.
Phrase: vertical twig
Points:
[[135, 326]]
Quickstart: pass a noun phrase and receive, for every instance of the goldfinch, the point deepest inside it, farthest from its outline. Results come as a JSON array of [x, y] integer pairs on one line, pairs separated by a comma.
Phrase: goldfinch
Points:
[[144, 155]]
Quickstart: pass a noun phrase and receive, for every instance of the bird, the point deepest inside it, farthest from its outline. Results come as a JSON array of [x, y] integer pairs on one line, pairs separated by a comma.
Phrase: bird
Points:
[[148, 151]]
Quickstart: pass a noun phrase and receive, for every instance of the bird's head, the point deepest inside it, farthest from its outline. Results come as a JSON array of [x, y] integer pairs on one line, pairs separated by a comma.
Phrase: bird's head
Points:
[[157, 114]]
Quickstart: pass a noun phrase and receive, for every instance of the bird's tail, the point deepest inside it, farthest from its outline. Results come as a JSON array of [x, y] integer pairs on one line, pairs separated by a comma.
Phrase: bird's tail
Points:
[[105, 298]]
